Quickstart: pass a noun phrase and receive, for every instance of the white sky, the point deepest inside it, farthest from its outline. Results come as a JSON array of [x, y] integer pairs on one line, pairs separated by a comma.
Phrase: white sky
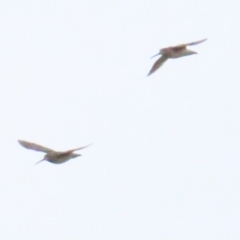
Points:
[[165, 158]]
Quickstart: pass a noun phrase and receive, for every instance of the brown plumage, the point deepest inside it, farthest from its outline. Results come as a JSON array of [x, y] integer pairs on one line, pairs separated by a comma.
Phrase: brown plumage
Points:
[[173, 52], [51, 155]]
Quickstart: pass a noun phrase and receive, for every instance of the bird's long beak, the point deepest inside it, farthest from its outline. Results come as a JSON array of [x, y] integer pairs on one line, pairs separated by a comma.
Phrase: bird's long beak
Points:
[[155, 55], [40, 161]]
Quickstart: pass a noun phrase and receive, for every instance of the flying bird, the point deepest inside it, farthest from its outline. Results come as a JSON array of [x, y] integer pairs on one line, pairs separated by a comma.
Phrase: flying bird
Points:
[[173, 52], [51, 155]]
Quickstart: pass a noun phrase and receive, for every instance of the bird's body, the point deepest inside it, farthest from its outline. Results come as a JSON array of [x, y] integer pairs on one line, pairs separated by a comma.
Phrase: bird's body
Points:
[[173, 52], [176, 53], [60, 157], [51, 155]]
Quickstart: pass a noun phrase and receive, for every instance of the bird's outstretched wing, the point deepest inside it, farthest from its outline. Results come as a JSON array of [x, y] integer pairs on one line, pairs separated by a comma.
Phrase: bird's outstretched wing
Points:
[[66, 153], [195, 43], [158, 64], [182, 46], [75, 149], [34, 146]]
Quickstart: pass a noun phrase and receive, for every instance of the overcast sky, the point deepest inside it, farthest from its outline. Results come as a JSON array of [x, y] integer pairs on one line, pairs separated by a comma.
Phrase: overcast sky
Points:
[[165, 158]]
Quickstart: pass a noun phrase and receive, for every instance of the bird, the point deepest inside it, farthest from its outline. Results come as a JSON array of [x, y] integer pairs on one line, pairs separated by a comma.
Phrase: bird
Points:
[[173, 52], [51, 155]]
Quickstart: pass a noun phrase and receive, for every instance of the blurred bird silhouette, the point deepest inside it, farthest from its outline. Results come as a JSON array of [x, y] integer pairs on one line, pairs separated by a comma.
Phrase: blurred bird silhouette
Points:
[[173, 52], [51, 155]]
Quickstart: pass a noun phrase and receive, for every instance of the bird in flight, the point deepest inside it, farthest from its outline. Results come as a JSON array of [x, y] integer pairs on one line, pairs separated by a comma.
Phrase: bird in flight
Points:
[[51, 155], [173, 52]]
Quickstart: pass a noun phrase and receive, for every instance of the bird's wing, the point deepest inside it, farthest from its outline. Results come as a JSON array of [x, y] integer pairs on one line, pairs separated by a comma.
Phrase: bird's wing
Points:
[[158, 64], [66, 153], [197, 42], [75, 149], [71, 150], [34, 146], [182, 46]]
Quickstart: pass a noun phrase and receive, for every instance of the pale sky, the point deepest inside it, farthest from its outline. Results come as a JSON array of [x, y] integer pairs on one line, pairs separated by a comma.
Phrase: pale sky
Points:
[[165, 159]]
